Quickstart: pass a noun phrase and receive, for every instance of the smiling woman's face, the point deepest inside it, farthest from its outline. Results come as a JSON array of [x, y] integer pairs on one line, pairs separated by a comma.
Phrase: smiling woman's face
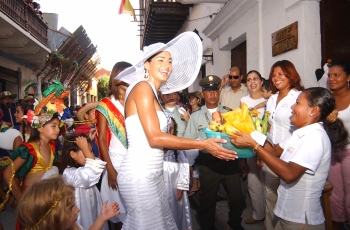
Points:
[[160, 67], [301, 112], [279, 79], [254, 82]]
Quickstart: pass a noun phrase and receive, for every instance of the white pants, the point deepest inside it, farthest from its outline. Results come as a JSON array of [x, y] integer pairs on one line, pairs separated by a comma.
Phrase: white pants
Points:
[[256, 189]]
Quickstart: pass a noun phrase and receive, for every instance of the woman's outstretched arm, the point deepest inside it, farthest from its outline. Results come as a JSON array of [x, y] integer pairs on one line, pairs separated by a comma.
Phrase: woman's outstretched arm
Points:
[[142, 101]]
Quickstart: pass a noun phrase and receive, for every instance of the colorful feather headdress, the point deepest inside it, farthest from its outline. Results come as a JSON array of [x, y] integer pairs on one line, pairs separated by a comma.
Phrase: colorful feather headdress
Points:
[[51, 105]]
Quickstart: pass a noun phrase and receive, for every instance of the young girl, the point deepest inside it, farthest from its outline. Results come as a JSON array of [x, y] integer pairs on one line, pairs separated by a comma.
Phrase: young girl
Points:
[[35, 158], [83, 171], [50, 204], [21, 118], [176, 177]]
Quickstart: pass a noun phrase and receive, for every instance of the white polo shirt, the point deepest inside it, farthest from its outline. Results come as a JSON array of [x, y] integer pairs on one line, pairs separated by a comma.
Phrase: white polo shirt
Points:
[[309, 147], [279, 120]]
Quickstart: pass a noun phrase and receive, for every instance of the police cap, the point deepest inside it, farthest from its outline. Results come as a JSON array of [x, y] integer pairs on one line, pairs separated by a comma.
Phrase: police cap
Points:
[[210, 82]]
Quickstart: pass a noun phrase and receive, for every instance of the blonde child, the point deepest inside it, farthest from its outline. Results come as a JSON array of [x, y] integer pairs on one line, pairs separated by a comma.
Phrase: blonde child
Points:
[[176, 178], [50, 204], [266, 93], [83, 171]]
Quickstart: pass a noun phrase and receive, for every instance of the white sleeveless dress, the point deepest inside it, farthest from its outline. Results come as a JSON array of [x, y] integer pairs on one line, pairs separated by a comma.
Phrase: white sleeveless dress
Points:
[[141, 181]]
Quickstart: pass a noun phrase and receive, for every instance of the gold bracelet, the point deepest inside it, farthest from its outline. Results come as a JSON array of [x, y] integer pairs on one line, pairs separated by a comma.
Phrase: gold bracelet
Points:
[[255, 148]]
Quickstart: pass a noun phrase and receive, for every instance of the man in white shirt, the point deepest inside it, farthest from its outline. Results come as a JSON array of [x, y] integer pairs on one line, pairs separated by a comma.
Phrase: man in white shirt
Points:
[[231, 96]]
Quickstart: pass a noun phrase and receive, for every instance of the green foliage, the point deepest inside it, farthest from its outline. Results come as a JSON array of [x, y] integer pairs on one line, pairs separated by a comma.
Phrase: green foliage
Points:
[[102, 86]]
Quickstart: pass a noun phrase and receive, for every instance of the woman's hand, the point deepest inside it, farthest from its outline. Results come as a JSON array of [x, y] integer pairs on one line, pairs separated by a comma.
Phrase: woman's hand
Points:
[[218, 151], [179, 194], [241, 139], [112, 177], [259, 162]]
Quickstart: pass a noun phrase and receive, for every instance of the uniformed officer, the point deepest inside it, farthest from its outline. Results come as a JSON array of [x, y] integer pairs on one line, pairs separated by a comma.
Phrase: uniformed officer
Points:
[[214, 171], [170, 104]]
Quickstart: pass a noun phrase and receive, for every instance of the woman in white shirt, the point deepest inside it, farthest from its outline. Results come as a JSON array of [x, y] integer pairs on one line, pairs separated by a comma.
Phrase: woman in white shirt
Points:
[[285, 84], [338, 81], [302, 161], [255, 187]]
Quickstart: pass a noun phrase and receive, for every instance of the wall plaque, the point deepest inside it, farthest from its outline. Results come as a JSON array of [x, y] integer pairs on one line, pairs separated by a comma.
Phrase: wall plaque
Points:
[[285, 39]]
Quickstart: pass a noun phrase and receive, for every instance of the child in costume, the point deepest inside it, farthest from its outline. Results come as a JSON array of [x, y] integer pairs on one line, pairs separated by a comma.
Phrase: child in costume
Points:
[[83, 171], [176, 177], [87, 121], [33, 160], [56, 207]]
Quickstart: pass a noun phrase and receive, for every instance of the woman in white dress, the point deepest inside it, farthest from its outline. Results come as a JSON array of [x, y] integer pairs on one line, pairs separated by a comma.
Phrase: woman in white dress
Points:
[[112, 139], [169, 67], [255, 187]]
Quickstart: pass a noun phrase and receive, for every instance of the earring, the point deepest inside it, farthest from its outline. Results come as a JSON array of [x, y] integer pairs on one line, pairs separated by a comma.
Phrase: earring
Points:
[[146, 75], [311, 115], [167, 84]]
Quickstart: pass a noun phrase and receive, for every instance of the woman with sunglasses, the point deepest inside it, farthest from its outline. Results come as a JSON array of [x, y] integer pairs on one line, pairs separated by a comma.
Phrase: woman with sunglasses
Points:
[[231, 96], [285, 84]]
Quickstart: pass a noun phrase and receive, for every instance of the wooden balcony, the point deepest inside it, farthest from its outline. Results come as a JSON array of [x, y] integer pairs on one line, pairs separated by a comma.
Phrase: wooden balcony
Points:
[[161, 20], [23, 35], [25, 17]]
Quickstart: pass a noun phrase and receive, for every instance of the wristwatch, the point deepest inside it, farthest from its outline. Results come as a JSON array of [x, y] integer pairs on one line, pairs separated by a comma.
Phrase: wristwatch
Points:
[[255, 148]]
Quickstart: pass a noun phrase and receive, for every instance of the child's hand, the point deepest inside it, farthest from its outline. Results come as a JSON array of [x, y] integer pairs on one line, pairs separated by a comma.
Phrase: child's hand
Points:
[[179, 194], [92, 133], [110, 211], [83, 145], [81, 142]]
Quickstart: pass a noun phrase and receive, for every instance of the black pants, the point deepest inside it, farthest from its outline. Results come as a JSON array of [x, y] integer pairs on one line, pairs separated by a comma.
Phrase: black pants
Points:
[[214, 171]]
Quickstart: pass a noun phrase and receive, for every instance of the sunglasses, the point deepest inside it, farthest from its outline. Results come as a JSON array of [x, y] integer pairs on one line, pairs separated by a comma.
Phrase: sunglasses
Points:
[[234, 77]]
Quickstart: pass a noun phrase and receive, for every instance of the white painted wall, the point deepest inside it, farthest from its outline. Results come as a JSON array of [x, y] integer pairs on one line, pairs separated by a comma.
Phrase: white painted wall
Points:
[[255, 26], [199, 19], [307, 57]]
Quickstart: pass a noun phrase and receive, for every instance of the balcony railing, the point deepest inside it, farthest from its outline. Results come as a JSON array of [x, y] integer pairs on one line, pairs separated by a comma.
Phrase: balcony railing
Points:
[[25, 17]]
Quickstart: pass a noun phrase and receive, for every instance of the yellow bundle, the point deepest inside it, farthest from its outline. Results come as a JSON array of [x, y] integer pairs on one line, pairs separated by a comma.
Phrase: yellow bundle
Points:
[[238, 120]]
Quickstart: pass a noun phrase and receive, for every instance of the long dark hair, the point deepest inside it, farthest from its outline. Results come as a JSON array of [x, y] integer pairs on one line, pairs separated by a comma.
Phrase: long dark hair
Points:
[[70, 145], [25, 107], [117, 68], [290, 72], [322, 98], [35, 134]]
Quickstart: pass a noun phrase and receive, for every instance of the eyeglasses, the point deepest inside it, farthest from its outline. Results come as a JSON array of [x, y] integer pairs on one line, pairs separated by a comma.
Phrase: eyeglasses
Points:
[[234, 77], [253, 79]]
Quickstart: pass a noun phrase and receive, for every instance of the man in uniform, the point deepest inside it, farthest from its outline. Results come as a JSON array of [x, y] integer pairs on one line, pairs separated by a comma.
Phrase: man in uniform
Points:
[[170, 104], [214, 171]]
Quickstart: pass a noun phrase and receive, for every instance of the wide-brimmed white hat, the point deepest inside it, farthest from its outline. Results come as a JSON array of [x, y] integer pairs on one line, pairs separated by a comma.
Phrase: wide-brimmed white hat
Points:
[[186, 52]]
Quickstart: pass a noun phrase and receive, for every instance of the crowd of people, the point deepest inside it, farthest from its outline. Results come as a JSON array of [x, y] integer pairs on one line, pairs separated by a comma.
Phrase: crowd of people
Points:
[[135, 158], [35, 6]]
